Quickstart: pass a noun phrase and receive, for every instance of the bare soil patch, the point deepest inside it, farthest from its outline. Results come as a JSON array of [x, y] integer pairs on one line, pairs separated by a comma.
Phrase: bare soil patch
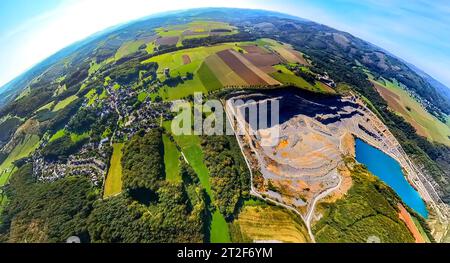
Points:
[[186, 59], [262, 60], [167, 41], [393, 102], [254, 49], [240, 68], [406, 217]]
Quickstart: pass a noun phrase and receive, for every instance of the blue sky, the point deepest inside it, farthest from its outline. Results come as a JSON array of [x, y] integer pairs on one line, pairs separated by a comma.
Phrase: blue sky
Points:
[[415, 30]]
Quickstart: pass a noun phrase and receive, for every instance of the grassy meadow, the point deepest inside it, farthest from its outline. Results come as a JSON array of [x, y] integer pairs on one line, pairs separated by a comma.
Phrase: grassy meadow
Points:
[[194, 29], [287, 77], [22, 150], [171, 160], [426, 124], [113, 183], [64, 103], [220, 232], [259, 222], [203, 79], [128, 48], [190, 146]]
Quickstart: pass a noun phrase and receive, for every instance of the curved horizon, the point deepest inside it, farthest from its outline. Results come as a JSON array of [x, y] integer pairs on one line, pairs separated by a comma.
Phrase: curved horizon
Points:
[[8, 77]]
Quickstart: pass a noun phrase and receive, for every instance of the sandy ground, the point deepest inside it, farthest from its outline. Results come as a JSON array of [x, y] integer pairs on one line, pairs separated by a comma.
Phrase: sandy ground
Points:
[[406, 217], [348, 144]]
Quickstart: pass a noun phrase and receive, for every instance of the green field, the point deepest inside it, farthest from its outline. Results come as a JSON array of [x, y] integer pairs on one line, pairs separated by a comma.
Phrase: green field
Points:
[[78, 137], [91, 96], [190, 146], [219, 229], [211, 73], [287, 77], [103, 95], [260, 221], [142, 96], [182, 90], [94, 67], [57, 135], [48, 106], [209, 80], [174, 61], [22, 150], [59, 90], [113, 183], [116, 86], [150, 47], [421, 230], [128, 48], [223, 72], [62, 104], [284, 50], [399, 100], [201, 29], [171, 160], [73, 136]]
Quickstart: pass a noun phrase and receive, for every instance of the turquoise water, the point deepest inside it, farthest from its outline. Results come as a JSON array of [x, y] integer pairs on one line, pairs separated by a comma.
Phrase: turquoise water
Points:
[[390, 172]]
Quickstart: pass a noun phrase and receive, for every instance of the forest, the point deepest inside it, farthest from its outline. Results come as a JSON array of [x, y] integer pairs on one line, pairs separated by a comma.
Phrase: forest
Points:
[[370, 209], [143, 164], [230, 178], [54, 211]]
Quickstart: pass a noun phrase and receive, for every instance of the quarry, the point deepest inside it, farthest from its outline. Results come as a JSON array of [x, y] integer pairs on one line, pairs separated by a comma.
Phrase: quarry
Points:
[[304, 165]]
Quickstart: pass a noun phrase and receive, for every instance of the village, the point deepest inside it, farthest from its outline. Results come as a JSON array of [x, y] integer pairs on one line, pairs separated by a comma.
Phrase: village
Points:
[[94, 157]]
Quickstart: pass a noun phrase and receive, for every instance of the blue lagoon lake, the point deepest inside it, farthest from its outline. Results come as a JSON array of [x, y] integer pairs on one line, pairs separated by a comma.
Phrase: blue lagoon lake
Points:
[[389, 171]]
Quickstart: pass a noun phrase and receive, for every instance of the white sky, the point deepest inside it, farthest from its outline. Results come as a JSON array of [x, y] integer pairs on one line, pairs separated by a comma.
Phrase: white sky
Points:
[[43, 36], [39, 37]]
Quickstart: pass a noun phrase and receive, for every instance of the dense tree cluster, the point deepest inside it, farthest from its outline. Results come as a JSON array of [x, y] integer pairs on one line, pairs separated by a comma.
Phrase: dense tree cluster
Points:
[[7, 128], [73, 80], [128, 71], [229, 177], [369, 209], [308, 76], [171, 212], [62, 117], [3, 156], [217, 39], [52, 212], [83, 120], [143, 164], [174, 218], [61, 148], [25, 106], [46, 212], [320, 42]]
